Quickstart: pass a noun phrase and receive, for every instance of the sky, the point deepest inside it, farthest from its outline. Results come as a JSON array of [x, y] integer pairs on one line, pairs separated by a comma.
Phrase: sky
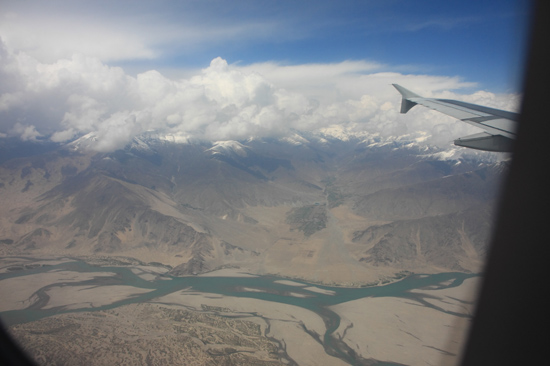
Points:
[[222, 70]]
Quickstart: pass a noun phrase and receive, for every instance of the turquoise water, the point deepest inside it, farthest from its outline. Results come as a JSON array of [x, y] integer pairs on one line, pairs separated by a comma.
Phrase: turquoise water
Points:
[[233, 286], [229, 286]]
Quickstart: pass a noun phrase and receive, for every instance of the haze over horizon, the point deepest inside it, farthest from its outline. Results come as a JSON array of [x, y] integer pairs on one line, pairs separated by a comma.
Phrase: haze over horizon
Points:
[[219, 71]]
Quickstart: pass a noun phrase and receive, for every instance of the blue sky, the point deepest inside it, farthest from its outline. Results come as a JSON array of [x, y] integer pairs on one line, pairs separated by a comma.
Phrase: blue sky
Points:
[[320, 50], [479, 40]]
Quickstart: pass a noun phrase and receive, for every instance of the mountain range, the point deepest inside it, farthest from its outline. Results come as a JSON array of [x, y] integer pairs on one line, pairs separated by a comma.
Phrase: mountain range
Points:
[[330, 209]]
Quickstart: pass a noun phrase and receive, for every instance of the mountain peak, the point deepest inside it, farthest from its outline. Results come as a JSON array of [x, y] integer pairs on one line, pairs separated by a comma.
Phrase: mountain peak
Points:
[[229, 146], [85, 142]]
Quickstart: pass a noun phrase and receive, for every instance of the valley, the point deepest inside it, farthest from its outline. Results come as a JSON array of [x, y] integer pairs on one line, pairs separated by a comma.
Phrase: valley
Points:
[[244, 252], [328, 211]]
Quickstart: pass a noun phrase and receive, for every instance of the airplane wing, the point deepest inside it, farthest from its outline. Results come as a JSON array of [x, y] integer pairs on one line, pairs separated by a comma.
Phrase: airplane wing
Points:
[[500, 126]]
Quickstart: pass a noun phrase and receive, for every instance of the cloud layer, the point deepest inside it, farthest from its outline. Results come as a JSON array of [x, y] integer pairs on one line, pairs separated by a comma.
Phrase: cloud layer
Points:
[[73, 96]]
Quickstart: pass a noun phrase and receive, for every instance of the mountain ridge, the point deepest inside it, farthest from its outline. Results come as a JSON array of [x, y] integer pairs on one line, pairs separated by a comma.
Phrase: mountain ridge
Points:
[[199, 206]]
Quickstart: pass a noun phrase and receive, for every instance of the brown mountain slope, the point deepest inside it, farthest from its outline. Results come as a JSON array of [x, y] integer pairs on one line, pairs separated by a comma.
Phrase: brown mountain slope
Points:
[[333, 212]]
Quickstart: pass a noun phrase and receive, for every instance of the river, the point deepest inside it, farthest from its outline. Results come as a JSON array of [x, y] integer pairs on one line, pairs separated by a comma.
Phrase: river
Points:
[[267, 288]]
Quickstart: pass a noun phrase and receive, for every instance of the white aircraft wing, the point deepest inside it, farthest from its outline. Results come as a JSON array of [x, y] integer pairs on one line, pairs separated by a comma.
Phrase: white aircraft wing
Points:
[[500, 126]]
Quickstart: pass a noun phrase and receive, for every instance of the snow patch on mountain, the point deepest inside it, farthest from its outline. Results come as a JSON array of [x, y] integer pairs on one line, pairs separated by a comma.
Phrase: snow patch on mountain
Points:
[[344, 132], [140, 145], [85, 142], [415, 143], [295, 139], [175, 138], [230, 146]]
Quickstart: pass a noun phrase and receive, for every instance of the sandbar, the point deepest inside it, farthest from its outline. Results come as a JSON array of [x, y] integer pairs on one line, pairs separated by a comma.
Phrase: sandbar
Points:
[[297, 294], [283, 322], [250, 289], [405, 330], [320, 290], [227, 272], [460, 299], [289, 283], [21, 289], [79, 297], [24, 263]]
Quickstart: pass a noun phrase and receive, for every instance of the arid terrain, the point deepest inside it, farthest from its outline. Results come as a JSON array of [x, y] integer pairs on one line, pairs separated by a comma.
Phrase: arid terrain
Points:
[[91, 318], [324, 210], [313, 211], [148, 334]]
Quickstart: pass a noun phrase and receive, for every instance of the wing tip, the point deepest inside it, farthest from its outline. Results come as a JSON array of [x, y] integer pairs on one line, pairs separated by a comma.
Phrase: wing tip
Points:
[[406, 93], [406, 104]]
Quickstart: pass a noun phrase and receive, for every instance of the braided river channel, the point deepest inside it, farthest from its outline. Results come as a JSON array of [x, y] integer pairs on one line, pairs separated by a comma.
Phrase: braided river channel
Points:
[[268, 288]]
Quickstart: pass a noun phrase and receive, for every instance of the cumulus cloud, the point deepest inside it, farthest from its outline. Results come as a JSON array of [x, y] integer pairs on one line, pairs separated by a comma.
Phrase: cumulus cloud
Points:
[[73, 96]]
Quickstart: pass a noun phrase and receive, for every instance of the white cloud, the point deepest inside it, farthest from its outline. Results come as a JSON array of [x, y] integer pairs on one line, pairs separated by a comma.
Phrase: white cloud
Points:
[[25, 132], [49, 38], [81, 94], [107, 31]]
